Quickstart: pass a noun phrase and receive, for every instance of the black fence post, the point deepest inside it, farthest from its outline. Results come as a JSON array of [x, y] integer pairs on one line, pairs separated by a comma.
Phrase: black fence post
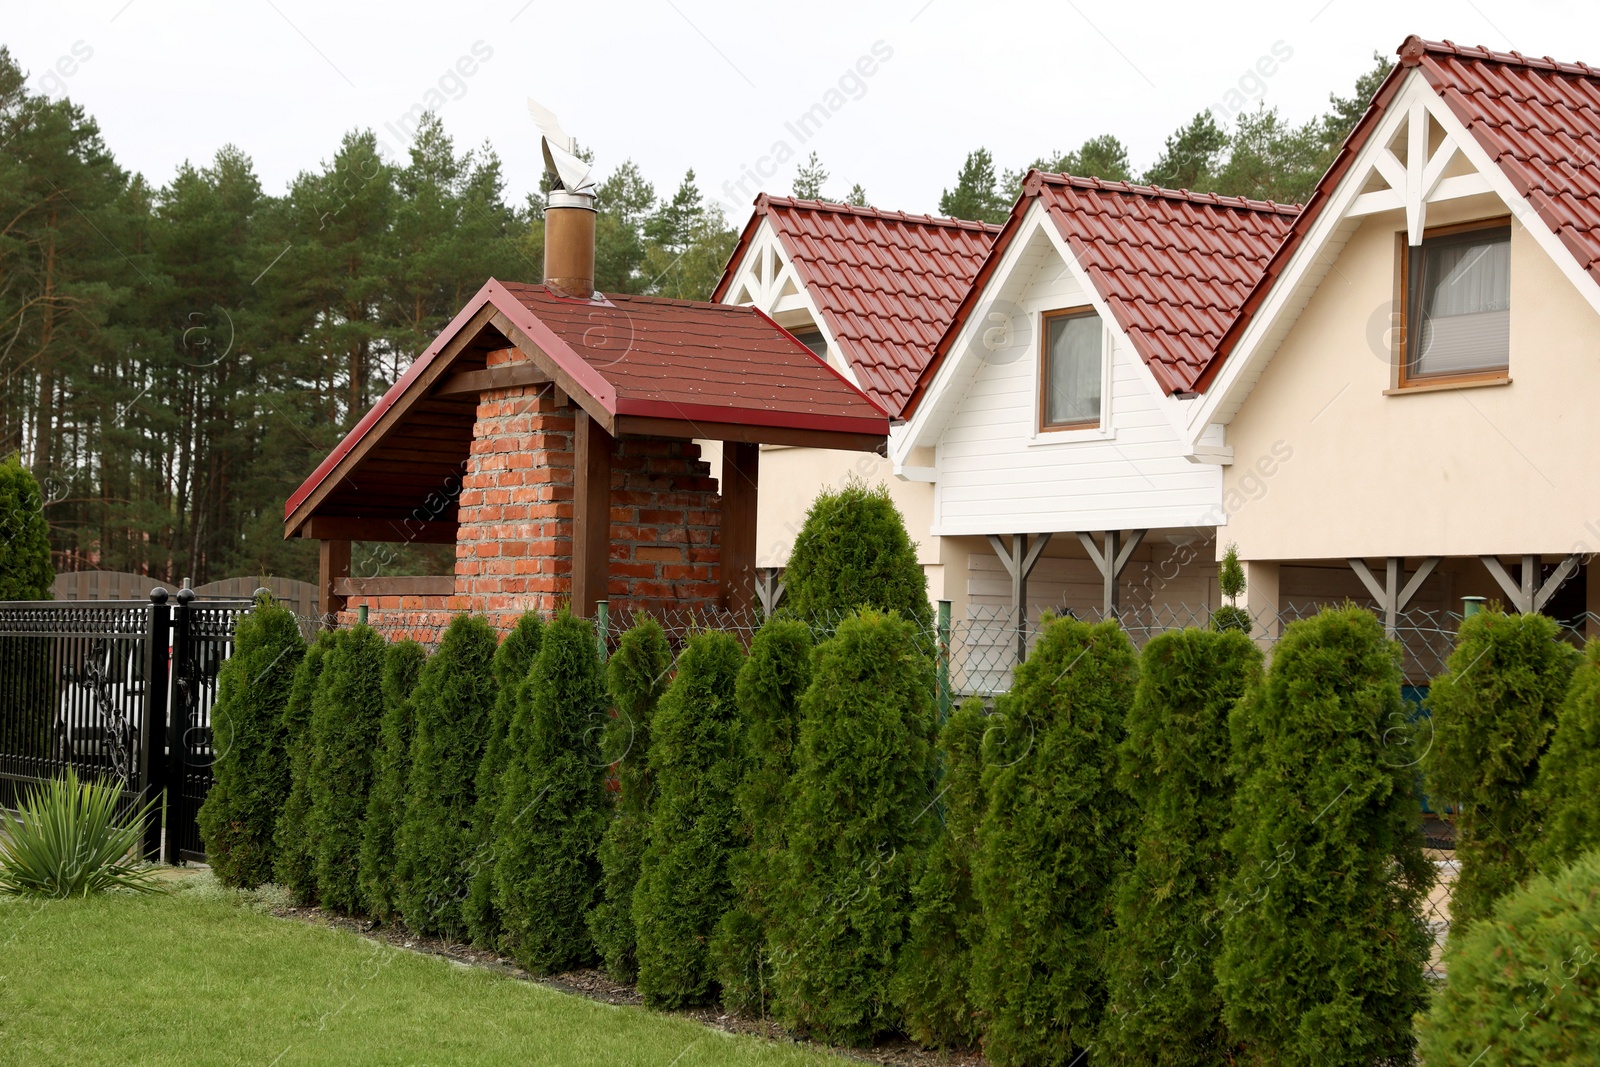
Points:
[[178, 726], [152, 762]]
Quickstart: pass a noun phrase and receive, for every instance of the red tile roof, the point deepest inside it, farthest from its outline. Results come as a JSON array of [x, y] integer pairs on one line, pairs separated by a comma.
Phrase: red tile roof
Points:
[[886, 283], [1172, 266], [1538, 119]]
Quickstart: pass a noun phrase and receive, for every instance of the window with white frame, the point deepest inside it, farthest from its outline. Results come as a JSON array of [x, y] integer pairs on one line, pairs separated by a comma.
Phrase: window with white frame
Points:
[[1071, 369]]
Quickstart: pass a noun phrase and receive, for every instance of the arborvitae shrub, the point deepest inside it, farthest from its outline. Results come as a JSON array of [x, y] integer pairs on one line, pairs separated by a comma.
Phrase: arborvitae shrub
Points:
[[1567, 790], [402, 663], [28, 700], [852, 551], [860, 811], [637, 673], [26, 572], [1524, 985], [696, 758], [346, 713], [251, 771], [1492, 714], [1230, 581], [1323, 937], [1052, 842], [933, 987], [1175, 763], [454, 698], [553, 807], [512, 662], [293, 866], [771, 682]]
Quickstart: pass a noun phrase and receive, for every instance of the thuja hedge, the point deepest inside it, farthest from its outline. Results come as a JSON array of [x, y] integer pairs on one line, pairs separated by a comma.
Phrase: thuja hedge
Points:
[[1492, 714], [512, 662], [1567, 790], [775, 673], [853, 551], [1175, 763], [454, 697], [293, 865], [251, 783], [683, 888], [1052, 842], [1324, 939], [859, 813], [402, 662], [638, 673]]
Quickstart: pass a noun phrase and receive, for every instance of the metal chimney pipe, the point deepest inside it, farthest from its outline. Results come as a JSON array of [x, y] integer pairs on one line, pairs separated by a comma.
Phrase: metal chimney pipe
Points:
[[569, 243]]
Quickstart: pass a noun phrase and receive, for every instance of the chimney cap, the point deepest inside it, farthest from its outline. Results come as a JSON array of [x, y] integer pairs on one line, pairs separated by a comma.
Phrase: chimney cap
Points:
[[568, 198]]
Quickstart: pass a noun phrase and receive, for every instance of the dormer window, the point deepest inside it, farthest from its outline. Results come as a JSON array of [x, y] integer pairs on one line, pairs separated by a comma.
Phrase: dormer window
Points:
[[1071, 370], [1457, 287]]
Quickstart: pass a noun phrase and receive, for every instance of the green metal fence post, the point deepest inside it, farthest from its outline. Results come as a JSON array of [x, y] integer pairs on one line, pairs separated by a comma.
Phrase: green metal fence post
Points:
[[602, 625], [944, 661]]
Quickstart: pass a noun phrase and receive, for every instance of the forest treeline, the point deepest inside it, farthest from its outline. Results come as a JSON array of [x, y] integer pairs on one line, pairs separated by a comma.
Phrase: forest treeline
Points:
[[175, 359]]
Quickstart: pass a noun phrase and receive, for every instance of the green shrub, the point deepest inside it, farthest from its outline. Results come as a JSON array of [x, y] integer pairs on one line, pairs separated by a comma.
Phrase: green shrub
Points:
[[553, 806], [1567, 790], [859, 813], [1493, 711], [1323, 938], [1175, 763], [1052, 842], [512, 662], [934, 985], [454, 698], [1230, 581], [346, 713], [402, 663], [853, 551], [683, 887], [1524, 986], [771, 682], [292, 866], [28, 701], [251, 771], [26, 572], [637, 675], [66, 841]]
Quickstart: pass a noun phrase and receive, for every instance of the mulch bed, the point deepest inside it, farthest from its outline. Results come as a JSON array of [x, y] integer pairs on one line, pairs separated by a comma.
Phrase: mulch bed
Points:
[[595, 985]]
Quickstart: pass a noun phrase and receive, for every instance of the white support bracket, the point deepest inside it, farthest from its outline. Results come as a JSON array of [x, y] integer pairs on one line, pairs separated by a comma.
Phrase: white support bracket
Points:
[[1529, 595], [1392, 597], [1111, 560]]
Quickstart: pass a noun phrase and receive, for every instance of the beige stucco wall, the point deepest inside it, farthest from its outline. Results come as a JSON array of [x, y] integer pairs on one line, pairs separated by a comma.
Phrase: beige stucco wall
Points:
[[791, 478], [1503, 469]]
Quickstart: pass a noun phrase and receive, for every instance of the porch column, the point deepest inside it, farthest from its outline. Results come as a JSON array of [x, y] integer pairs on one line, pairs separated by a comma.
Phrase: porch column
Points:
[[1018, 562], [591, 515], [1392, 598], [1261, 600], [1530, 595], [1111, 561], [1591, 603], [333, 565], [741, 471]]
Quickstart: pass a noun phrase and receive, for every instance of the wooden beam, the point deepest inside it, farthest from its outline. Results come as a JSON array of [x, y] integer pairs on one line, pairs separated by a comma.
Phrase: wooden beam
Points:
[[393, 531], [1019, 562], [1111, 561], [741, 471], [648, 426], [1530, 595], [770, 588], [476, 382], [1392, 598], [333, 563], [398, 585], [591, 515], [565, 383]]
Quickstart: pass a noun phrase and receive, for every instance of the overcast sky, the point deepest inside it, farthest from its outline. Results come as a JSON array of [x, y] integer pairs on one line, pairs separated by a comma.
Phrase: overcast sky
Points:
[[719, 85]]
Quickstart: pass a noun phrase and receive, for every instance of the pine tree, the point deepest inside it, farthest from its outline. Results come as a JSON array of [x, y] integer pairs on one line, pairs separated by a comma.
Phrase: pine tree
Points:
[[1176, 765], [857, 196], [346, 713], [251, 771], [25, 569], [553, 806], [1052, 842], [809, 178], [697, 761], [1323, 937], [1191, 155], [858, 816], [637, 674], [294, 865], [1566, 792], [975, 197], [513, 660], [771, 682], [854, 551], [402, 663]]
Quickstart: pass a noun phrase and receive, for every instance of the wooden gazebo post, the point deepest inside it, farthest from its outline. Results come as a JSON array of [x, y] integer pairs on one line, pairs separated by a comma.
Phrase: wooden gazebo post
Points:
[[591, 514], [741, 470]]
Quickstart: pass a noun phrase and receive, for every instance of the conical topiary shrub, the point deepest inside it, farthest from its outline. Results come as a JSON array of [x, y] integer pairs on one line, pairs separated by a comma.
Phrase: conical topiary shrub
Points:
[[512, 662], [774, 677], [1052, 843], [454, 697], [1492, 713], [853, 551], [1323, 937], [402, 663], [860, 812], [251, 785], [1567, 791], [1231, 583], [696, 759], [293, 866], [346, 712], [637, 674], [1176, 765], [553, 807]]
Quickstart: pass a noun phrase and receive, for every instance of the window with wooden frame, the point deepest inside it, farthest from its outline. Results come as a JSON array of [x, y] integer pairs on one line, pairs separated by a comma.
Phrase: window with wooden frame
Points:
[[1455, 299], [1071, 369]]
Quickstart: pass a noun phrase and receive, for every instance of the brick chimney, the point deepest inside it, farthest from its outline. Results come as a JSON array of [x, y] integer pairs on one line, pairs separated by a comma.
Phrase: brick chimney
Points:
[[569, 242]]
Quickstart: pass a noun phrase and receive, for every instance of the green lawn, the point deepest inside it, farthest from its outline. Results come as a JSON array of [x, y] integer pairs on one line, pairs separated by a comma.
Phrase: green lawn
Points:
[[195, 977]]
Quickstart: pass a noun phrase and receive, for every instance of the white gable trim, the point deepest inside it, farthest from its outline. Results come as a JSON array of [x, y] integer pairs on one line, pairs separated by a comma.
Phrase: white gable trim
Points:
[[1411, 188]]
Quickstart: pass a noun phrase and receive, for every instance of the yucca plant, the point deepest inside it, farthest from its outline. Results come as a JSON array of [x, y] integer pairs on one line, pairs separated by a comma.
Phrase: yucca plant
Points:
[[68, 842]]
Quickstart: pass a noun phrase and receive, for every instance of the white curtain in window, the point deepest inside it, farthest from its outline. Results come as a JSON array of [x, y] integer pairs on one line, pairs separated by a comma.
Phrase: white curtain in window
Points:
[[1464, 300], [1075, 368]]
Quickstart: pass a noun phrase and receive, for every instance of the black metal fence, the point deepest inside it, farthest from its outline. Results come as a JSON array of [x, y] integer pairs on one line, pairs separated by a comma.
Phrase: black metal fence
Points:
[[118, 691]]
